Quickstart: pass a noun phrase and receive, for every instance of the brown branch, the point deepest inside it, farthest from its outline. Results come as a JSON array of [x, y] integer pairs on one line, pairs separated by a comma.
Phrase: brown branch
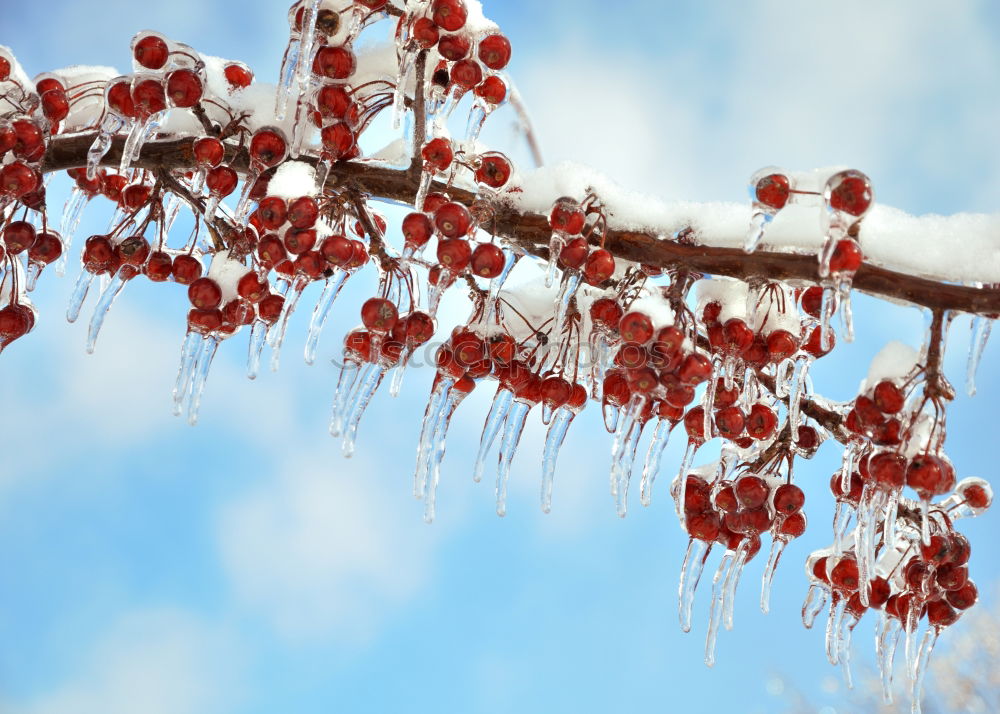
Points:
[[531, 232]]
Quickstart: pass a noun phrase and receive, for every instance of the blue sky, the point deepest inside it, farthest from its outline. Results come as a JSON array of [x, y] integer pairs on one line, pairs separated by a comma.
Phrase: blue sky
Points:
[[244, 566]]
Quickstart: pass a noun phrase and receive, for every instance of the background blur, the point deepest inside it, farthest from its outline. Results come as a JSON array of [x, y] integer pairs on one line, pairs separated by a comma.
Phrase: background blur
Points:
[[245, 566]]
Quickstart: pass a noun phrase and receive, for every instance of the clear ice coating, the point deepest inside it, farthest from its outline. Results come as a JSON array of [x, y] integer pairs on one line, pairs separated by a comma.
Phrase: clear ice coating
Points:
[[276, 335], [258, 335], [142, 131], [189, 356], [623, 452], [920, 668], [209, 346], [110, 125], [512, 431], [71, 217], [79, 294]]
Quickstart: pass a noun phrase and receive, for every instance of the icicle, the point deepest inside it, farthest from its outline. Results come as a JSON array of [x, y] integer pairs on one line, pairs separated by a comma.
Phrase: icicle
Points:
[[567, 289], [276, 335], [759, 220], [841, 520], [437, 453], [827, 307], [497, 283], [555, 248], [445, 280], [815, 601], [778, 544], [889, 631], [708, 400], [32, 274], [209, 347], [286, 78], [110, 125], [406, 63], [838, 605], [303, 67], [141, 132], [619, 447], [79, 294], [694, 565], [321, 312], [846, 312], [189, 357], [553, 442], [423, 188], [891, 511], [513, 428], [795, 393], [494, 421], [686, 462], [981, 327], [348, 377], [661, 437], [849, 622], [258, 335], [847, 465], [478, 115], [170, 212], [104, 304], [435, 404], [925, 524], [71, 217], [361, 399], [926, 647], [732, 582], [912, 618], [715, 618], [784, 371]]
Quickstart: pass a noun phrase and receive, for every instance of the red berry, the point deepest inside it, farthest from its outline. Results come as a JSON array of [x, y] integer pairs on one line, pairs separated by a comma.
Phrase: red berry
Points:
[[847, 257], [425, 32], [19, 236], [600, 266], [695, 369], [338, 140], [574, 254], [761, 422], [567, 217], [964, 597], [221, 181], [454, 47], [888, 469], [852, 195], [467, 74], [437, 154], [149, 97], [730, 422], [494, 171], [788, 498], [794, 525], [205, 294], [636, 327], [449, 15], [268, 148], [151, 52], [334, 62], [781, 344], [773, 191], [269, 309], [46, 249], [454, 254], [18, 179], [888, 397], [929, 476], [844, 575], [303, 212], [751, 491], [493, 90], [488, 260], [209, 152], [941, 614], [453, 220], [238, 76], [494, 51], [184, 88]]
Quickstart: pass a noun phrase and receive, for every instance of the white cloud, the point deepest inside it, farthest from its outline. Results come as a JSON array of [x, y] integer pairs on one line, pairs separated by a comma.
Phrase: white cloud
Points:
[[902, 91], [327, 546], [150, 661]]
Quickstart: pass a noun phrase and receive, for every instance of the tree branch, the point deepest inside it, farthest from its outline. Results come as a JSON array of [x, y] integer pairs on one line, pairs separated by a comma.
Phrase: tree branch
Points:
[[531, 232]]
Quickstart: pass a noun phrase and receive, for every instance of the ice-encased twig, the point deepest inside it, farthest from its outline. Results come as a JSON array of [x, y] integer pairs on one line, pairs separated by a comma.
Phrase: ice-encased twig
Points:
[[513, 429], [494, 421]]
